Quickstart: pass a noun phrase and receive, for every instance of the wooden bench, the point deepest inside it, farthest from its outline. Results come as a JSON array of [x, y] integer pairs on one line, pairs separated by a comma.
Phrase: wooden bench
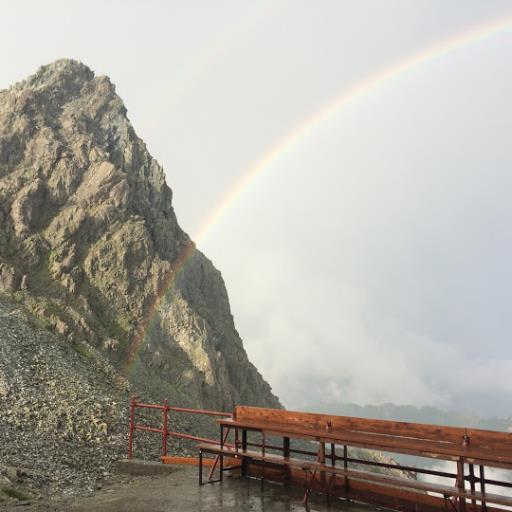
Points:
[[312, 467], [447, 443], [464, 446]]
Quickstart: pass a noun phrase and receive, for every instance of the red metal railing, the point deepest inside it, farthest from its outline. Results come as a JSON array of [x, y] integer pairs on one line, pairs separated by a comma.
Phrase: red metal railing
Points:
[[164, 429]]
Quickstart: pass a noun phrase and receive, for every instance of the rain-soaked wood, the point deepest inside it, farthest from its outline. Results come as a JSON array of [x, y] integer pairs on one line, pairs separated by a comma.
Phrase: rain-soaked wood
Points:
[[365, 476], [421, 431], [472, 481], [463, 446], [410, 440], [370, 492], [431, 449]]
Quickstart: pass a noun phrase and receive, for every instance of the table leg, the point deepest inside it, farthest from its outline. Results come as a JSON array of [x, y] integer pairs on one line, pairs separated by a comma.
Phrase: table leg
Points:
[[221, 466]]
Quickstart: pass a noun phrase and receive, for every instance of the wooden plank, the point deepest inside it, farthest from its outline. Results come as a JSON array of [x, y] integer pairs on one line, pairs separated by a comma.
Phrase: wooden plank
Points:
[[455, 437], [472, 446], [319, 421], [437, 450], [193, 461], [421, 431], [311, 465], [353, 474], [371, 492], [383, 427]]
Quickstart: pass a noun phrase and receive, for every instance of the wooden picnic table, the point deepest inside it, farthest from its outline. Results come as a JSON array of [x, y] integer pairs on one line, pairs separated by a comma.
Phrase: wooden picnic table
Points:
[[462, 446]]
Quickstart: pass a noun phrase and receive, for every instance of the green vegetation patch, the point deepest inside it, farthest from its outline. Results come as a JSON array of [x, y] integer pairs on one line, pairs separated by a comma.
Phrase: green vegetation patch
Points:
[[82, 349], [13, 493]]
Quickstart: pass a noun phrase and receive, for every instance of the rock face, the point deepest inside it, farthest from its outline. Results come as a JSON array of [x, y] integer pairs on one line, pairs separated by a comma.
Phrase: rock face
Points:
[[90, 244]]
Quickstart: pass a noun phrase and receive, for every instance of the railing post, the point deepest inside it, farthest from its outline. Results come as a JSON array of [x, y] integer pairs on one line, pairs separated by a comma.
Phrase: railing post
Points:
[[132, 426], [164, 433]]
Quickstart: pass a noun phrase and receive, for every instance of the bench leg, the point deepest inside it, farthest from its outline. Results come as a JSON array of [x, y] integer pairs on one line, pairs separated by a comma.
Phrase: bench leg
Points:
[[263, 451], [200, 467], [244, 449], [460, 486], [482, 487], [472, 483], [305, 500], [287, 476], [345, 467], [201, 464], [217, 458], [448, 499], [330, 487], [306, 494]]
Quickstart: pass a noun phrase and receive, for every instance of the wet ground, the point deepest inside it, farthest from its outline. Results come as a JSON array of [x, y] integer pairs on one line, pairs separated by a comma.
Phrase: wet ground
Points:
[[180, 492]]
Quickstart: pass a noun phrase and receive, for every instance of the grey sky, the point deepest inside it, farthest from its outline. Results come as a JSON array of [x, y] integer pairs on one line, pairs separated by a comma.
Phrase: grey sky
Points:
[[368, 263]]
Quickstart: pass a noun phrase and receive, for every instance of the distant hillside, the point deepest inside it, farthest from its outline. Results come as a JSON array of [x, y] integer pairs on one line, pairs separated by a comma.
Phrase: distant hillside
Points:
[[389, 411]]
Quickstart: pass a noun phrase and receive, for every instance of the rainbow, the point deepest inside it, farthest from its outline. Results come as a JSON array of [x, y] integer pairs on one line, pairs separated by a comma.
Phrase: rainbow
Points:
[[380, 78], [336, 105]]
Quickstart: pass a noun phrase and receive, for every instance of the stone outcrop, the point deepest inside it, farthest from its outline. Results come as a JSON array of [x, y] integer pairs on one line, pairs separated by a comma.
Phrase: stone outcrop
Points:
[[90, 244]]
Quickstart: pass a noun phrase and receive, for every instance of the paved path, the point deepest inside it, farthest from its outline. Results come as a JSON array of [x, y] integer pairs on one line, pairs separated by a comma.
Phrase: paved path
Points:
[[180, 492]]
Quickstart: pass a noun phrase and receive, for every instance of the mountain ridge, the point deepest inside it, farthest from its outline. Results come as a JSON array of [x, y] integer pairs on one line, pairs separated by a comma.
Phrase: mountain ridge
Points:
[[87, 214], [91, 248], [414, 414]]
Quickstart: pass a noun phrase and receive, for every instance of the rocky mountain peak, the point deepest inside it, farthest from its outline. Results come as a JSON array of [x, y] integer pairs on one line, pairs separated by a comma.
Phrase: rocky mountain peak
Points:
[[90, 244], [66, 74]]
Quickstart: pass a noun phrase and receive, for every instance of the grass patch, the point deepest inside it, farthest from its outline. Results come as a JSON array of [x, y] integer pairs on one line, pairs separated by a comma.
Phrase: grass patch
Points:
[[13, 493], [82, 349]]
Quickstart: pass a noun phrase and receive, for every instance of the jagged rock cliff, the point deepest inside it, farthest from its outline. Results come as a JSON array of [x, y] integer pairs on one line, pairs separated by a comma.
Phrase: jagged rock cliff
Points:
[[90, 244]]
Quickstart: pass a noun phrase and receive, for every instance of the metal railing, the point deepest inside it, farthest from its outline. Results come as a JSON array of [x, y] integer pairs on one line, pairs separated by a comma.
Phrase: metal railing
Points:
[[164, 430]]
